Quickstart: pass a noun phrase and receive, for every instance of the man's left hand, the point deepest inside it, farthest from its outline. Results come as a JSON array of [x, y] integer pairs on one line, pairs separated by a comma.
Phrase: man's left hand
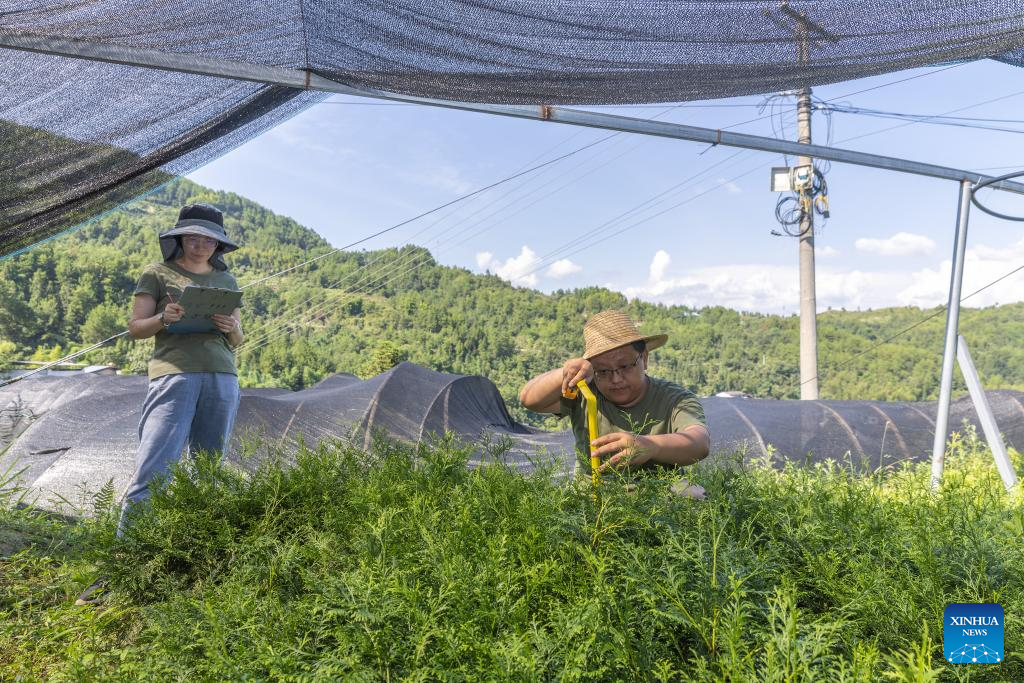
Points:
[[624, 449]]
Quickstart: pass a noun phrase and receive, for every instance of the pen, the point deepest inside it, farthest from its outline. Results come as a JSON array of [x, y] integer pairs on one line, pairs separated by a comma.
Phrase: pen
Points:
[[171, 299]]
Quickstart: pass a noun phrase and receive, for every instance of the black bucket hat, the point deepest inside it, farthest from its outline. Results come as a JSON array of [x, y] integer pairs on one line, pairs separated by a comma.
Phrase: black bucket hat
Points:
[[198, 219]]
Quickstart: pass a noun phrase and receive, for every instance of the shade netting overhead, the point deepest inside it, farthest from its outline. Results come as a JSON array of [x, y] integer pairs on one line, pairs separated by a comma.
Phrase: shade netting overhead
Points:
[[81, 137], [71, 435]]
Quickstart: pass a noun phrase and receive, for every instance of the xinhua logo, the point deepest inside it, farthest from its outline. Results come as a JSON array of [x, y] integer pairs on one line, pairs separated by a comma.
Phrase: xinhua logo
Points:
[[973, 633]]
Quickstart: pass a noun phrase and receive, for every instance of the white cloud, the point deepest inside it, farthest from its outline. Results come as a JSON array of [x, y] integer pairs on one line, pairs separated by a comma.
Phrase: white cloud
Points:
[[562, 268], [776, 289], [516, 269], [1013, 253], [827, 252], [447, 178], [730, 186], [900, 244], [982, 265], [745, 287], [659, 264], [297, 140]]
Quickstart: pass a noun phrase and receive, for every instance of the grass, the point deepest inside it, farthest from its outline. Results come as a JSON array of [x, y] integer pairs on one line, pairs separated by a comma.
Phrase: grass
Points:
[[404, 565]]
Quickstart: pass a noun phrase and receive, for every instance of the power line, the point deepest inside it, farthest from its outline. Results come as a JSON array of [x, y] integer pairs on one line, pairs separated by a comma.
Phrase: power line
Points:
[[369, 280], [665, 110], [368, 277], [602, 140], [951, 111], [547, 259], [65, 359], [601, 230], [998, 168], [674, 206], [931, 119], [847, 109], [902, 80], [423, 215], [271, 331], [478, 192], [92, 347], [856, 92], [366, 284], [940, 311], [659, 213], [534, 178]]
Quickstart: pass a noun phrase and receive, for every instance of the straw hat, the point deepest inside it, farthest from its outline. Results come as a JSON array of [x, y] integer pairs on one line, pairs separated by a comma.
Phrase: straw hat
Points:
[[609, 330]]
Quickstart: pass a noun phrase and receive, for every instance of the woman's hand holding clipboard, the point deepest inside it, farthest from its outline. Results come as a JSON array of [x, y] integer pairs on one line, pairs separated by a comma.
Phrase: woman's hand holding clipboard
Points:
[[205, 309]]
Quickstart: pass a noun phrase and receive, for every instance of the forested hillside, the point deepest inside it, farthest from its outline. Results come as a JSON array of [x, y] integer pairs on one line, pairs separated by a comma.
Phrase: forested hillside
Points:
[[362, 312]]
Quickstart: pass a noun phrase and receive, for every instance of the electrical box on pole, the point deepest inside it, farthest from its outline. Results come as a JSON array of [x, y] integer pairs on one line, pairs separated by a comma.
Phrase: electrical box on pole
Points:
[[786, 179]]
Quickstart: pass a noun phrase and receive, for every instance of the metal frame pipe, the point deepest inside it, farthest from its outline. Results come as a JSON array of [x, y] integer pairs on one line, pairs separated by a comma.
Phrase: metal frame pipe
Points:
[[952, 325], [305, 79], [985, 416]]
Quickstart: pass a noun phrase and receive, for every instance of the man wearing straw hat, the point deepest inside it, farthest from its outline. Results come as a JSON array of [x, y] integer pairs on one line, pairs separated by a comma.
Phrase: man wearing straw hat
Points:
[[644, 421]]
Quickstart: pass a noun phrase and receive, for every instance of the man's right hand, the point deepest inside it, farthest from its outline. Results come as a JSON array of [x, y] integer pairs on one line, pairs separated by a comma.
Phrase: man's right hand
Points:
[[574, 370]]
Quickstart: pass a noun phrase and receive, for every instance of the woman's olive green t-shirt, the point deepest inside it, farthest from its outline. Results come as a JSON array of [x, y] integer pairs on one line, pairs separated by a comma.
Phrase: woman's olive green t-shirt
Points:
[[194, 352]]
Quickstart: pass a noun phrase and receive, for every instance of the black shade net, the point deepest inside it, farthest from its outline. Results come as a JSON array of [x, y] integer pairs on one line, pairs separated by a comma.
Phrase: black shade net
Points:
[[82, 137], [68, 436]]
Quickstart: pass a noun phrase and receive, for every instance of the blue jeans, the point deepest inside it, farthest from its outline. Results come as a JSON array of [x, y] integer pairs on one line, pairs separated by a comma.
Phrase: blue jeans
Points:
[[193, 410]]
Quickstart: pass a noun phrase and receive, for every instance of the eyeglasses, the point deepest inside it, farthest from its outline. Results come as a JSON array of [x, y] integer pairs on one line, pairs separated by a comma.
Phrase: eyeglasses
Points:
[[622, 369], [199, 240]]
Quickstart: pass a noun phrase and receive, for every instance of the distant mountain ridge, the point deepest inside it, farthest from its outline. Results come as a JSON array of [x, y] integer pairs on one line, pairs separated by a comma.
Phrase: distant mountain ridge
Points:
[[362, 312]]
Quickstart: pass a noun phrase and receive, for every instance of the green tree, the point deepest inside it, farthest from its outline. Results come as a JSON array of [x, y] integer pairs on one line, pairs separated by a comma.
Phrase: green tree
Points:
[[104, 321], [8, 352], [385, 357]]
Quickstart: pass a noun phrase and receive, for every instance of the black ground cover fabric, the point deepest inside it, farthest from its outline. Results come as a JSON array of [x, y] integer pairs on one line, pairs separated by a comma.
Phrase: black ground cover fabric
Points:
[[70, 435]]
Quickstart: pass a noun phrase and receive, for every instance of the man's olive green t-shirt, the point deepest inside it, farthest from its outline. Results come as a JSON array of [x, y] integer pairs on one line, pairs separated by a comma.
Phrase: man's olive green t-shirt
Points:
[[666, 408], [193, 352]]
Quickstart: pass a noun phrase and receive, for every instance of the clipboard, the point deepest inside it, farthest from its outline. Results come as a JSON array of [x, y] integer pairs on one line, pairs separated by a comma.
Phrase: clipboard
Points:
[[202, 302]]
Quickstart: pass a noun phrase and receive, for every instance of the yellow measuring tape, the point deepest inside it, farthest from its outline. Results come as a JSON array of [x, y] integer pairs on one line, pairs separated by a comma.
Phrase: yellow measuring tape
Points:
[[595, 461]]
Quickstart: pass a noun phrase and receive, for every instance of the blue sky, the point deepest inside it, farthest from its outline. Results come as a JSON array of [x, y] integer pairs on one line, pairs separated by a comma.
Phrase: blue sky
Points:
[[347, 168]]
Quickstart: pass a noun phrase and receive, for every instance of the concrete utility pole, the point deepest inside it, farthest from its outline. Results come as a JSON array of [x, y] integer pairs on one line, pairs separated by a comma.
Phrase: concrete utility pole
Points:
[[808, 295]]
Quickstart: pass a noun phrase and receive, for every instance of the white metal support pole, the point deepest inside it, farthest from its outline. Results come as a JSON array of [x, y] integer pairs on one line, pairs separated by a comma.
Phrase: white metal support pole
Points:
[[808, 295], [985, 416], [952, 323]]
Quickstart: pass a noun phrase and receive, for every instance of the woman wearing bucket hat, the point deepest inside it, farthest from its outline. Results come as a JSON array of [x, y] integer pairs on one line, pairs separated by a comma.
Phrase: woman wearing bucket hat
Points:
[[193, 384], [644, 421]]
